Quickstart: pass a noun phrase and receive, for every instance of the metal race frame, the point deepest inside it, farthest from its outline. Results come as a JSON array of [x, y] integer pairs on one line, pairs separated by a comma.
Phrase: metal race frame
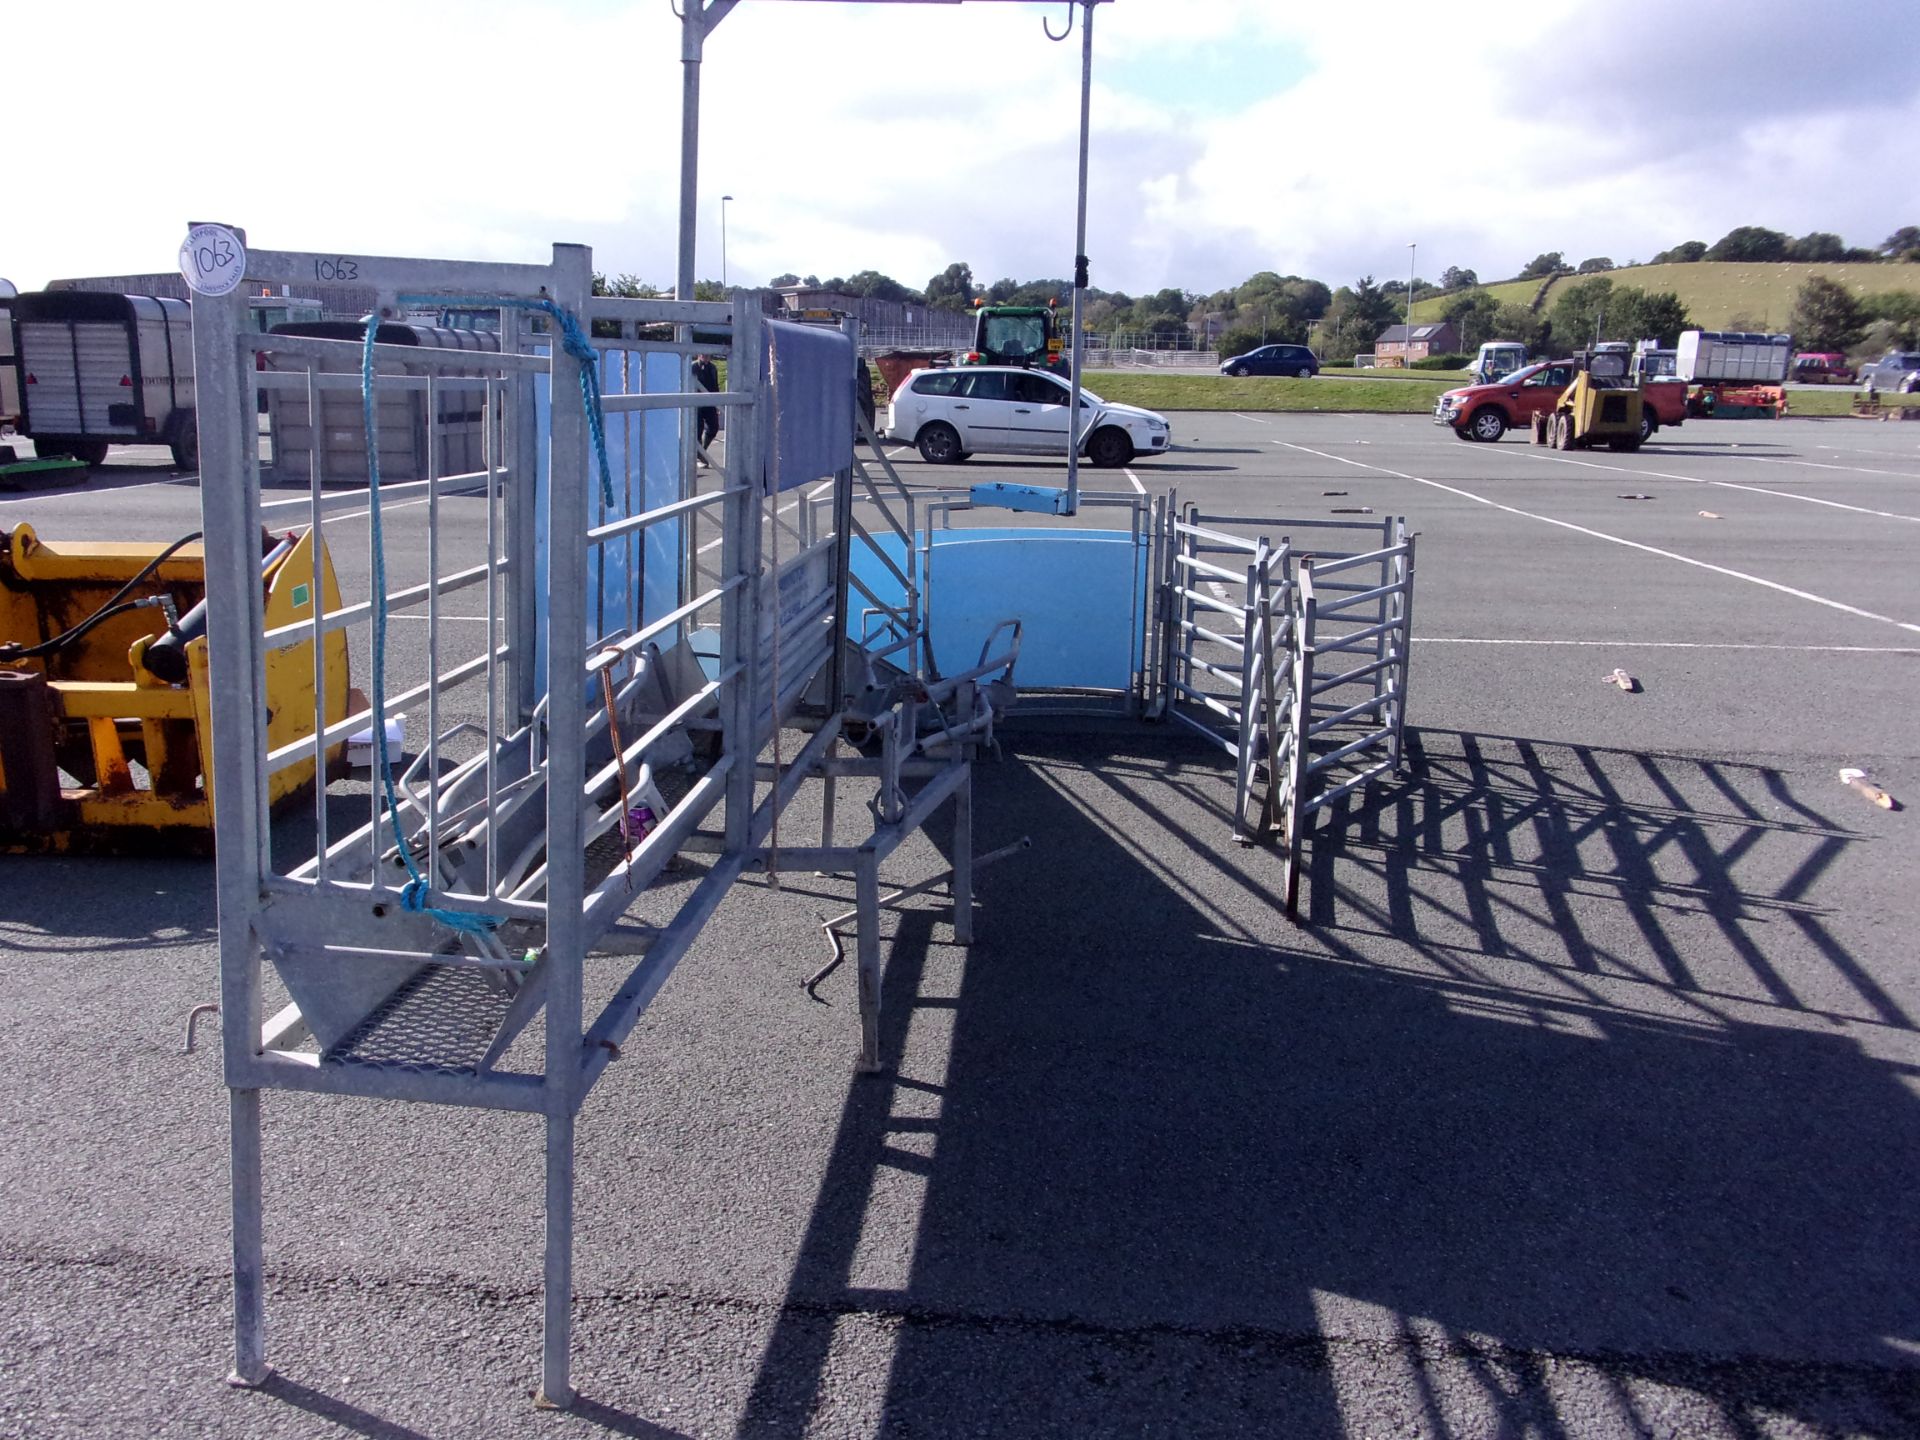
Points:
[[420, 934]]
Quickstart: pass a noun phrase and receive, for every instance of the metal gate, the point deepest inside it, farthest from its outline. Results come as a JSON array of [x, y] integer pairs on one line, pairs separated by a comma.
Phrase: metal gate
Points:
[[1228, 632], [1286, 643]]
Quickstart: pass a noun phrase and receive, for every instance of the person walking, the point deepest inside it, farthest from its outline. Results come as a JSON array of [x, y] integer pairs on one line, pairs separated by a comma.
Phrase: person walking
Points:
[[707, 376]]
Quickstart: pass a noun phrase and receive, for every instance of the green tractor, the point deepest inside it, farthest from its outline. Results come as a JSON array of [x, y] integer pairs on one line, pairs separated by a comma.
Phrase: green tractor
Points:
[[1027, 335]]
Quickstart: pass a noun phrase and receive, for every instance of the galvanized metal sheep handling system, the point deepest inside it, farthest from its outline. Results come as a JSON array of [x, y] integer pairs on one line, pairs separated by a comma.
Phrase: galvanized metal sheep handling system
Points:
[[624, 677]]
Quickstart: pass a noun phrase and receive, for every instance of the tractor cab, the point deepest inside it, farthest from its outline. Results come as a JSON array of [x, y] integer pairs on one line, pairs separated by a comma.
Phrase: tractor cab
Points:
[[1026, 335]]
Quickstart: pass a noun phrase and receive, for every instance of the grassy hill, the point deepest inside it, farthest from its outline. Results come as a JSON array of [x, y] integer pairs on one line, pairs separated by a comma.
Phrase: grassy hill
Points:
[[1716, 294]]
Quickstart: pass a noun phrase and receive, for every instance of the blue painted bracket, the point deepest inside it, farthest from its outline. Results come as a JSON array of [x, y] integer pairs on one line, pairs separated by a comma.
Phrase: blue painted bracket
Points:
[[1004, 494]]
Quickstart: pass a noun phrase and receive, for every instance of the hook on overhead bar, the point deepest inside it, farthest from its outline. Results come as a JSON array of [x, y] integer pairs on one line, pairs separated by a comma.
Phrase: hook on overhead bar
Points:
[[1047, 25]]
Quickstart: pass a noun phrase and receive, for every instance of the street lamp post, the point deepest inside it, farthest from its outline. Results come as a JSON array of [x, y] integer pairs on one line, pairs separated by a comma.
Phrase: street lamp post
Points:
[[723, 240], [1413, 249]]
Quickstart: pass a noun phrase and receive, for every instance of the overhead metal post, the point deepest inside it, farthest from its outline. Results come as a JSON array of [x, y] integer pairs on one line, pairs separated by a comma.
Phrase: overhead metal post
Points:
[[697, 21], [1080, 256]]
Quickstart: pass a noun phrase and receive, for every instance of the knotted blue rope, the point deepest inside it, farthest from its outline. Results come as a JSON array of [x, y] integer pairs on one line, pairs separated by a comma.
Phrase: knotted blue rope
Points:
[[572, 339]]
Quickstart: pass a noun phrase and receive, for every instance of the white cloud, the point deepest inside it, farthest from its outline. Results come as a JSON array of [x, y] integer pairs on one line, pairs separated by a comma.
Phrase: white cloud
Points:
[[1229, 137]]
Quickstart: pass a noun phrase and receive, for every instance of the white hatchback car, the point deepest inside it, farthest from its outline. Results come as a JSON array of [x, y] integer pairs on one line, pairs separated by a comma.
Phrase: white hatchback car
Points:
[[1007, 410]]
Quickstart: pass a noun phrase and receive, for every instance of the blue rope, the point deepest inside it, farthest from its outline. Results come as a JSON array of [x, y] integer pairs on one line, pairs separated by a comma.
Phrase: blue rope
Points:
[[572, 339]]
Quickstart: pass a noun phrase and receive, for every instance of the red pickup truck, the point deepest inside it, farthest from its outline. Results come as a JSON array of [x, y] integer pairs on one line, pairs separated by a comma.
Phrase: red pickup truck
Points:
[[1486, 412]]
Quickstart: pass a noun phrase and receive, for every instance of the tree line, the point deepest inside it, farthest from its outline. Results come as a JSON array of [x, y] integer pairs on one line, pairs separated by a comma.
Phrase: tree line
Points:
[[1341, 322]]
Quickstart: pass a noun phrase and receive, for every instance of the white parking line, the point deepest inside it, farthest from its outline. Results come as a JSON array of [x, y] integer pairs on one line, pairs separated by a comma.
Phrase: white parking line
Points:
[[1138, 488], [1616, 539], [1678, 645], [1723, 484], [1816, 465], [384, 510], [52, 493], [1255, 418]]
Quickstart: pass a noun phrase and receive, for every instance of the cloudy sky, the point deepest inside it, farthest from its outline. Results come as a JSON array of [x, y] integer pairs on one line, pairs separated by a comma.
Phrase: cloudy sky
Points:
[[1229, 136]]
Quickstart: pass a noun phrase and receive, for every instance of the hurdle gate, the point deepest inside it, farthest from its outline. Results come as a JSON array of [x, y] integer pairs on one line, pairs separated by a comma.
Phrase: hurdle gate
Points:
[[1263, 619]]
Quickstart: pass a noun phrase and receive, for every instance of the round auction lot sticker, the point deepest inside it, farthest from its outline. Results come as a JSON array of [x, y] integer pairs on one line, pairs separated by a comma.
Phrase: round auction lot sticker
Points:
[[213, 260]]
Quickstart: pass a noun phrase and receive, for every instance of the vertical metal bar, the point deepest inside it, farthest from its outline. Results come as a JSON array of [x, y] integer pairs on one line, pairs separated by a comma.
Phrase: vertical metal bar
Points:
[[230, 520], [314, 482], [1136, 625], [522, 524], [556, 1368], [1080, 257], [867, 901], [1302, 717], [567, 511], [963, 859], [436, 453], [249, 1294], [740, 561], [1405, 641], [496, 394], [1243, 747]]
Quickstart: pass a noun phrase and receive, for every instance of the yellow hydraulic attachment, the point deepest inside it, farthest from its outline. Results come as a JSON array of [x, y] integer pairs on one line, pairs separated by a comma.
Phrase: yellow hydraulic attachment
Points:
[[1602, 406], [105, 711]]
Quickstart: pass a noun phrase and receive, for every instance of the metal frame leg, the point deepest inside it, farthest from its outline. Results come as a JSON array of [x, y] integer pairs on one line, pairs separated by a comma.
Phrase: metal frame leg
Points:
[[963, 861], [249, 1298], [556, 1378], [828, 781], [867, 899]]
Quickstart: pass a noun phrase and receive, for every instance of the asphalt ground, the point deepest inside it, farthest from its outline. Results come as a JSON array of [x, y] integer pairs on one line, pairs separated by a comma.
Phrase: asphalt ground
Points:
[[1584, 1103]]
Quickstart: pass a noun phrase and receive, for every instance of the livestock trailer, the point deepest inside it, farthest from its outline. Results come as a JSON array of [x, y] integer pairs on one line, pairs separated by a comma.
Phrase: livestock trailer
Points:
[[99, 370]]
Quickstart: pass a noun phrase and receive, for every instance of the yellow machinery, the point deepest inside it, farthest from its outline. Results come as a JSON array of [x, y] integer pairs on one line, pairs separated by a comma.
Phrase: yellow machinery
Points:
[[104, 702], [1601, 407]]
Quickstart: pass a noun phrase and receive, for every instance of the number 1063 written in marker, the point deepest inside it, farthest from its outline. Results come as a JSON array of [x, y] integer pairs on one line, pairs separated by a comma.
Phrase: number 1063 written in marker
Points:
[[214, 254], [338, 267]]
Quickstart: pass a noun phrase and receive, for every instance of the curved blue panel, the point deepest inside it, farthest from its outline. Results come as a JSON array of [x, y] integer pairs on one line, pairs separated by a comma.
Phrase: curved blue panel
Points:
[[1077, 593]]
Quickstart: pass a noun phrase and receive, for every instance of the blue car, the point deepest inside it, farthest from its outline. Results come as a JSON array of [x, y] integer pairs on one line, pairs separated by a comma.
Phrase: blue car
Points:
[[1274, 360]]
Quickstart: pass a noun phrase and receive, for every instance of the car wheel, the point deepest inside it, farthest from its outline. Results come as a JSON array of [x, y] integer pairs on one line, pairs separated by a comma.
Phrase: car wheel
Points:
[[1488, 425], [1109, 448], [1647, 427], [939, 444], [1240, 370], [1305, 372], [94, 452]]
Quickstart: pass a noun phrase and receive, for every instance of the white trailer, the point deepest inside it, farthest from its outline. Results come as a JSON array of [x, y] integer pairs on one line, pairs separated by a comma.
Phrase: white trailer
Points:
[[9, 366], [1733, 357], [99, 370]]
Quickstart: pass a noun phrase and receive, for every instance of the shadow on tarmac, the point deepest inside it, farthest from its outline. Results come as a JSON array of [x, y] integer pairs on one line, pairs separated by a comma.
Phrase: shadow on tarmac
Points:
[[1179, 1145]]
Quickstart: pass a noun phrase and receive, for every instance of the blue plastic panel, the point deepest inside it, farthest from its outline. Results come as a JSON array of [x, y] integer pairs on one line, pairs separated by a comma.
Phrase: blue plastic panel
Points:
[[643, 452], [1077, 593]]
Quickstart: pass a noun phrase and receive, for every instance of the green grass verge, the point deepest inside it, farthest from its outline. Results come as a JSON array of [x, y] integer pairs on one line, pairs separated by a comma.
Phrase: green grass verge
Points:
[[1836, 400], [1220, 392], [1451, 377]]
